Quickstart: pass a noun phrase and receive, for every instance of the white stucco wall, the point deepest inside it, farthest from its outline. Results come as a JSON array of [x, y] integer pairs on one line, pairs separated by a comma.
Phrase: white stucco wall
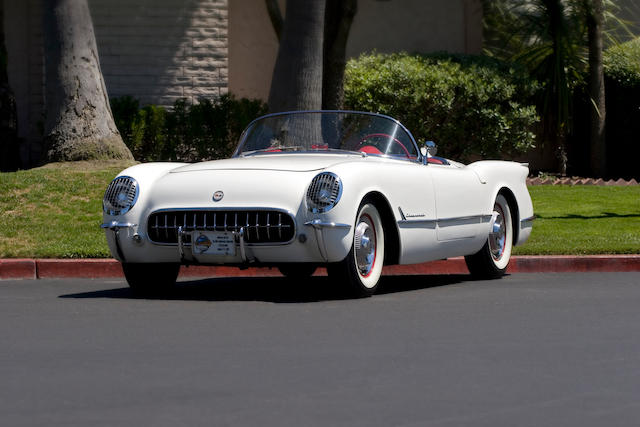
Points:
[[383, 25]]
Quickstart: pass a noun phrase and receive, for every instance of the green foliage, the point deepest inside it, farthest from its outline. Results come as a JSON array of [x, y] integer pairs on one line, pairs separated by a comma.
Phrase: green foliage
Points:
[[469, 105], [206, 130], [622, 63]]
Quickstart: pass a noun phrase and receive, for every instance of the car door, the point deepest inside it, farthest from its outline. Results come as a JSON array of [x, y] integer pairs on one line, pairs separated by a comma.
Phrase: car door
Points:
[[459, 201]]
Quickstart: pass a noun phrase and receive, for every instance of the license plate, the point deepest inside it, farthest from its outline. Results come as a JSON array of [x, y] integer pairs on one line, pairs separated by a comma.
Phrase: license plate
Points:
[[213, 243]]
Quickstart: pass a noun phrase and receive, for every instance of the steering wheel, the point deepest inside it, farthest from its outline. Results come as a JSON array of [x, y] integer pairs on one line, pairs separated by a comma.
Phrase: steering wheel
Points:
[[364, 147]]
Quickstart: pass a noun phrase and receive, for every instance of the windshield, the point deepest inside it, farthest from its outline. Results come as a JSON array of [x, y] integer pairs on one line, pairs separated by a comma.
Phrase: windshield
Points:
[[326, 131]]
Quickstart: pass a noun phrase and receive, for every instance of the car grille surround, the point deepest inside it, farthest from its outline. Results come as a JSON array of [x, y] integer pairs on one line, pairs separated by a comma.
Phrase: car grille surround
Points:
[[261, 227]]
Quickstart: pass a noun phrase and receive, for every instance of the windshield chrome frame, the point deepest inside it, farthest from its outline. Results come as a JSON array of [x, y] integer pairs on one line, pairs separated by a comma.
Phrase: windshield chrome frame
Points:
[[418, 159]]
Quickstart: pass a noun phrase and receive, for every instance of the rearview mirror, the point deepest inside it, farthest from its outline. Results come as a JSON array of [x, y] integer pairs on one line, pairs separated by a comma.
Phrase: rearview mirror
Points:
[[430, 148]]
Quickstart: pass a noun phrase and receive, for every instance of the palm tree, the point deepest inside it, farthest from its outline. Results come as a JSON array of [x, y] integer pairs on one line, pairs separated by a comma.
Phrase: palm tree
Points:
[[546, 36], [594, 10], [558, 41], [79, 123]]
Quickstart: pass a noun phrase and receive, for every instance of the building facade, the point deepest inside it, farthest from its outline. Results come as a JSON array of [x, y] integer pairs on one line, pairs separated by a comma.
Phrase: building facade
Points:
[[158, 51]]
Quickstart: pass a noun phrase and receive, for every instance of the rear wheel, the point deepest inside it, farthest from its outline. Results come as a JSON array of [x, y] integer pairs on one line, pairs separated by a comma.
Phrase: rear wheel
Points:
[[492, 260], [362, 268], [151, 278]]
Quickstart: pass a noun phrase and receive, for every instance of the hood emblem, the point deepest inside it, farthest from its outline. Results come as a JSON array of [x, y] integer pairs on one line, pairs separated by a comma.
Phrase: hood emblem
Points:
[[217, 196]]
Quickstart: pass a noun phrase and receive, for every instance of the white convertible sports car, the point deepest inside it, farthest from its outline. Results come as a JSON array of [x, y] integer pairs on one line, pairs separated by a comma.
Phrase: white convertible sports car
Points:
[[347, 190]]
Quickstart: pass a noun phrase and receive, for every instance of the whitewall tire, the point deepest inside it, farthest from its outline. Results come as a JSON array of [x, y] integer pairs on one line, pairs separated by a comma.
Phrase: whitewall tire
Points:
[[361, 269], [492, 260]]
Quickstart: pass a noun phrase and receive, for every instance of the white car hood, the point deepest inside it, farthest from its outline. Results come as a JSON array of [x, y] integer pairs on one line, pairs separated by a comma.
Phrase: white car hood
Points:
[[280, 162]]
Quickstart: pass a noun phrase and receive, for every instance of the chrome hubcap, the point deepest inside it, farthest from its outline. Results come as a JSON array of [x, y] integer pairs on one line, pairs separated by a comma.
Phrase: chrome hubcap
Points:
[[498, 235], [365, 246]]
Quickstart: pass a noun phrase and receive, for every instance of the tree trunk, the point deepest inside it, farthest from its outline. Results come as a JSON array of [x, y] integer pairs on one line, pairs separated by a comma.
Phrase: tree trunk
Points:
[[297, 76], [9, 150], [337, 24], [79, 124], [275, 16], [595, 20]]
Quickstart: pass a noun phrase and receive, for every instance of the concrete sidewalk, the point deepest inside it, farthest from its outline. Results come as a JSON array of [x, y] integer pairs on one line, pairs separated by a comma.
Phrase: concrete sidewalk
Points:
[[101, 268]]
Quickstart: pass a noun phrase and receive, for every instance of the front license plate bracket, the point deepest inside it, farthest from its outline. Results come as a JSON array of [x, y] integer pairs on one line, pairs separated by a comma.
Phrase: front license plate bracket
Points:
[[221, 243]]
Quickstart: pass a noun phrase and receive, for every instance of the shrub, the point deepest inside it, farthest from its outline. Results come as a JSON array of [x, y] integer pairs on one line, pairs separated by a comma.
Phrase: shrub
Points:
[[622, 63], [469, 105], [622, 85], [202, 131]]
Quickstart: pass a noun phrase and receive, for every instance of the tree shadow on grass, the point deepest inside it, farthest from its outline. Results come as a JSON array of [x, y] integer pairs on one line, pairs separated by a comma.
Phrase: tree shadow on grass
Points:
[[274, 289], [604, 215]]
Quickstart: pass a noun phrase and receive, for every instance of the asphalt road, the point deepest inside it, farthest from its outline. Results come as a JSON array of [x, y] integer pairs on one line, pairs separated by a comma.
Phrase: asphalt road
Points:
[[527, 350]]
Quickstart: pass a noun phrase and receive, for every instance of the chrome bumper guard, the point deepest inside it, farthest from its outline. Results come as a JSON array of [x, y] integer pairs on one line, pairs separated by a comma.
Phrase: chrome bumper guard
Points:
[[318, 225], [115, 226]]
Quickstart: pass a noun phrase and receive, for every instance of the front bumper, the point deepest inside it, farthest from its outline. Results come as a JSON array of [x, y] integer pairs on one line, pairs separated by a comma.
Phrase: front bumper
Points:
[[316, 241]]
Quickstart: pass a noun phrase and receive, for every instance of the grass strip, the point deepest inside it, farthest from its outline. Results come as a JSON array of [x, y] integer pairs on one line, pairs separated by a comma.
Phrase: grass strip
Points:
[[55, 211], [584, 220]]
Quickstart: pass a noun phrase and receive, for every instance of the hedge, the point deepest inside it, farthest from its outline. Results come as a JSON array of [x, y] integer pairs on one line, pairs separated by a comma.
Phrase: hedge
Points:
[[206, 130], [469, 105]]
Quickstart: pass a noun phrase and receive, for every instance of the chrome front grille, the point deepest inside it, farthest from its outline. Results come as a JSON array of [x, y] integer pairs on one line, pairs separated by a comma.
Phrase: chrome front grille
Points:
[[260, 226]]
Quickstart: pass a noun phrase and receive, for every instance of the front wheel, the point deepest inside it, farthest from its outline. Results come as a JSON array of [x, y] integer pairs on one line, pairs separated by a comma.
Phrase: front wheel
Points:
[[362, 268], [297, 271], [151, 278], [492, 260]]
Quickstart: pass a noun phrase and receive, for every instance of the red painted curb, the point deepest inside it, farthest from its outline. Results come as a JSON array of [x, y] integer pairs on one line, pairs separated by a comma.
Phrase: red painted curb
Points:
[[102, 268], [87, 268], [575, 264], [17, 269]]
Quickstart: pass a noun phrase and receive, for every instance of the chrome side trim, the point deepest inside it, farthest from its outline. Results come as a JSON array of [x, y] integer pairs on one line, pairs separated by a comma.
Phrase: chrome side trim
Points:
[[527, 222], [404, 218], [444, 222], [319, 224], [114, 225], [426, 223], [481, 218]]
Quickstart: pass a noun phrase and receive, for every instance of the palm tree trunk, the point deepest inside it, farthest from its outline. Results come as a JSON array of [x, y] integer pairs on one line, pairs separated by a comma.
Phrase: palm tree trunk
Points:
[[297, 76], [79, 123], [9, 150], [598, 146], [337, 24]]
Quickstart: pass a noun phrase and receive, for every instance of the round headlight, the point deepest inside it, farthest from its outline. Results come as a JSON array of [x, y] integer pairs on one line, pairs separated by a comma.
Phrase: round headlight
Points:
[[120, 196], [324, 192]]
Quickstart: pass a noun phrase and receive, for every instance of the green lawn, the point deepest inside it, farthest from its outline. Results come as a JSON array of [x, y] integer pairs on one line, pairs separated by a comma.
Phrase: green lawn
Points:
[[584, 220], [54, 212]]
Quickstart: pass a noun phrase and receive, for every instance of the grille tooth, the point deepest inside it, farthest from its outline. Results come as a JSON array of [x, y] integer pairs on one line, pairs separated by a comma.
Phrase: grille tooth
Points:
[[260, 226]]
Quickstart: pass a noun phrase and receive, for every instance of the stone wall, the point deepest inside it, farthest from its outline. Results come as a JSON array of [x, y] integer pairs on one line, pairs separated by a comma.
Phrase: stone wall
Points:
[[154, 50], [162, 50]]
